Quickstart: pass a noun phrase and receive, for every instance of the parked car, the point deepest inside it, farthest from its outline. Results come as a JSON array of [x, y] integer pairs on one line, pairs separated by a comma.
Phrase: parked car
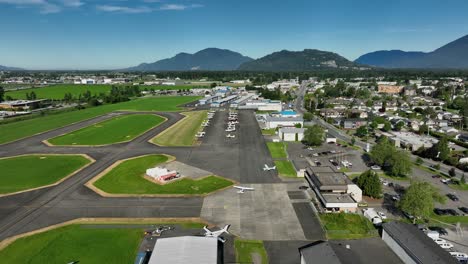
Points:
[[463, 209], [446, 245], [452, 212], [436, 176], [439, 211], [396, 197], [303, 187], [442, 231], [407, 215], [445, 181], [382, 215], [375, 167], [440, 241], [452, 197]]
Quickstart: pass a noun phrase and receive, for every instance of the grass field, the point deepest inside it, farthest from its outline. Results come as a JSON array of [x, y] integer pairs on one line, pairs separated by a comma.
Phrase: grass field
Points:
[[269, 132], [76, 243], [277, 149], [347, 226], [117, 129], [58, 91], [21, 129], [32, 171], [285, 168], [183, 132], [245, 248], [127, 178]]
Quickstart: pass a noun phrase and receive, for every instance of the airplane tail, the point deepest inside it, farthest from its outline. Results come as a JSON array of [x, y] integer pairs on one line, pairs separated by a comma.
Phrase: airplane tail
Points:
[[226, 228]]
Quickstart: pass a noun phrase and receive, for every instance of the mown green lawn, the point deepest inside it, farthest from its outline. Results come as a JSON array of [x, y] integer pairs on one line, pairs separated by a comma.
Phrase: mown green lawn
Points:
[[347, 226], [21, 129], [117, 129], [59, 91], [27, 172], [268, 132], [76, 243], [128, 178], [245, 248], [277, 149], [450, 219], [183, 133], [285, 168]]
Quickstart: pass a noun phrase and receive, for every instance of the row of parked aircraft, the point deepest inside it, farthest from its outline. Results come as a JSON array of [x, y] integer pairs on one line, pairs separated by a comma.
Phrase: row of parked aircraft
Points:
[[232, 122], [206, 123]]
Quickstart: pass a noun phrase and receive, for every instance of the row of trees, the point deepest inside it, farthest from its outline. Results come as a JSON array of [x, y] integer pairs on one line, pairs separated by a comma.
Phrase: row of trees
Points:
[[393, 161]]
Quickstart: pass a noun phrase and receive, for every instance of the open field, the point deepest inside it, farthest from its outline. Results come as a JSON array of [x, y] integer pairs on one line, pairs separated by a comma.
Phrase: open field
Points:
[[183, 132], [117, 129], [128, 178], [277, 149], [347, 226], [21, 129], [32, 171], [76, 243], [245, 249], [285, 168], [58, 91]]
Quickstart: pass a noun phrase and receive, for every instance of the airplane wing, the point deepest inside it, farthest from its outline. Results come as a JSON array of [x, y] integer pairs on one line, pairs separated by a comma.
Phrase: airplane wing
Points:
[[206, 229]]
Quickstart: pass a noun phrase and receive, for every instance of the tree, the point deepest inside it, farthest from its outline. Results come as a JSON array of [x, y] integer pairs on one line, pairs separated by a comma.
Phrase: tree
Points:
[[452, 172], [2, 94], [418, 199], [353, 141], [307, 116], [370, 184], [398, 164], [399, 126], [314, 136], [362, 131], [382, 151], [387, 126], [213, 85]]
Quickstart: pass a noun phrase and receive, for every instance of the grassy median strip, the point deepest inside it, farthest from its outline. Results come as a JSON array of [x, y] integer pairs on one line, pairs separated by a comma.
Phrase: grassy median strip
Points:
[[277, 149], [21, 129], [32, 171], [285, 168], [128, 178], [183, 132], [246, 248], [347, 226], [115, 130]]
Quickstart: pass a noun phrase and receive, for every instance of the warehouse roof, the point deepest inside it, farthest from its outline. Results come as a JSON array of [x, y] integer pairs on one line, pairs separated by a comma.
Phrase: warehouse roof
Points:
[[283, 119], [186, 249], [319, 252], [417, 244], [292, 130]]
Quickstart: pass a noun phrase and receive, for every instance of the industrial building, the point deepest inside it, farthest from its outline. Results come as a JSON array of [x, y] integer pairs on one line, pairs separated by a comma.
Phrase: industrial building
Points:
[[262, 105], [334, 190], [274, 122], [413, 246], [187, 249], [25, 104], [291, 133]]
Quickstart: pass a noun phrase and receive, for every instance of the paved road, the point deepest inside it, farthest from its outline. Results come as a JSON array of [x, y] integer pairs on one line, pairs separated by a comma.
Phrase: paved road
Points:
[[36, 209]]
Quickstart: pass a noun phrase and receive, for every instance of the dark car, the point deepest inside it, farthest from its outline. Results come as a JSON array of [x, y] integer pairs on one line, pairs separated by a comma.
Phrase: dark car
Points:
[[436, 176], [303, 187], [452, 197], [439, 229], [318, 163], [439, 211], [452, 212], [463, 209]]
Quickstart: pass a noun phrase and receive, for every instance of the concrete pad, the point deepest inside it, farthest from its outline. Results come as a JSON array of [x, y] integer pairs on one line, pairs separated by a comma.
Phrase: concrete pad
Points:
[[263, 214], [187, 170]]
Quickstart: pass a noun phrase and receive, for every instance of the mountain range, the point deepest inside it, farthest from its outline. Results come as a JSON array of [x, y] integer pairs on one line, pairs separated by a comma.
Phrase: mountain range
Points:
[[454, 55], [211, 59], [306, 60], [5, 68]]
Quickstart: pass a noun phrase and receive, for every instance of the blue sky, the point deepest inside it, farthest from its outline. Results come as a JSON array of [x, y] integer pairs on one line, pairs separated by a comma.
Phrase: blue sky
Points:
[[108, 34]]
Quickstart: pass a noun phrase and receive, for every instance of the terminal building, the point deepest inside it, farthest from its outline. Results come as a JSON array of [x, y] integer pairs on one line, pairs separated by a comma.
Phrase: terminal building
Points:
[[275, 121], [334, 190], [187, 249]]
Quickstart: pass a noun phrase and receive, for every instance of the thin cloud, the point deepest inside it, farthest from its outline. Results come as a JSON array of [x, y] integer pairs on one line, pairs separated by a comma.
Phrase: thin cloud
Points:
[[123, 9], [45, 6], [72, 3], [178, 7]]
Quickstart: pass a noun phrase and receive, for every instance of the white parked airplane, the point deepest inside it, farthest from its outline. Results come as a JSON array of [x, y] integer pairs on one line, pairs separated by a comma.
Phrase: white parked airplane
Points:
[[266, 168], [230, 136], [209, 233], [243, 189]]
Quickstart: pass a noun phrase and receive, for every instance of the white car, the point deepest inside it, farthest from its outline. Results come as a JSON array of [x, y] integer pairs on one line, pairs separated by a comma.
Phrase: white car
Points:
[[445, 181], [396, 197], [440, 241], [376, 167], [459, 255], [382, 215], [446, 245]]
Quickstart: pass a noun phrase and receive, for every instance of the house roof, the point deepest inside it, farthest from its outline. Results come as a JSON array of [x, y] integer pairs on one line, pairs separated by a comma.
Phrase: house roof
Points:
[[417, 244], [291, 130]]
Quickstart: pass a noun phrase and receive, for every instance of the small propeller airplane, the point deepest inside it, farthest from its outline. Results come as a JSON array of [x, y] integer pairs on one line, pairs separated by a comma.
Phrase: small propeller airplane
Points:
[[243, 189], [218, 233], [230, 136], [266, 168]]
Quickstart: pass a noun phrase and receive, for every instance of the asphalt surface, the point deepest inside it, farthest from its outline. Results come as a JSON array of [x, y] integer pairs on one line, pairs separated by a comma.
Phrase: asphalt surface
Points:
[[241, 159]]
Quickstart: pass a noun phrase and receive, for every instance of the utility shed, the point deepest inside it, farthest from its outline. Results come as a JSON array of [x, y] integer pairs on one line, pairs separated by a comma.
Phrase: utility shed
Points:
[[187, 249], [413, 245]]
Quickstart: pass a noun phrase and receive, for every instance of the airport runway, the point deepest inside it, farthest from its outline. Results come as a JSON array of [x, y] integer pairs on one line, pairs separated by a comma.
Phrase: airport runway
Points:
[[240, 159]]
